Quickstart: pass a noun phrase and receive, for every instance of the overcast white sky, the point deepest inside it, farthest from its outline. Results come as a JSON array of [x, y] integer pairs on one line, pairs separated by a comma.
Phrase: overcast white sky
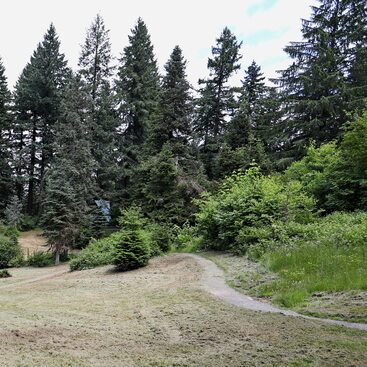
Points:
[[264, 26]]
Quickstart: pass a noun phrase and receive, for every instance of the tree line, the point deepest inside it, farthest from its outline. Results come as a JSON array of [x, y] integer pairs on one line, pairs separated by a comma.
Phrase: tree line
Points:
[[128, 135]]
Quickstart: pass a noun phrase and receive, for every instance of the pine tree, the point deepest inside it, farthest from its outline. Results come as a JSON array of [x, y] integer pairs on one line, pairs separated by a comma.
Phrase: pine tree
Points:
[[37, 102], [318, 95], [5, 142], [95, 70], [172, 123], [217, 102], [69, 183]]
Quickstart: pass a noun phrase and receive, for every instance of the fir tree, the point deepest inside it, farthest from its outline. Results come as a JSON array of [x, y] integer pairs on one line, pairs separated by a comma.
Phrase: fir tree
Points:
[[216, 102], [318, 96], [37, 102], [95, 70], [70, 185], [5, 142]]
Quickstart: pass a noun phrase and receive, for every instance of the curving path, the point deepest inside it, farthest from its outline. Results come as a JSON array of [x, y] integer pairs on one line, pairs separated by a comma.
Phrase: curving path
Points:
[[214, 283]]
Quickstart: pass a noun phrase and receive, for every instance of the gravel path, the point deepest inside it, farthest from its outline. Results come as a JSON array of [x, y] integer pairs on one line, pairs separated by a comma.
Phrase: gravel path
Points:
[[32, 280], [214, 282]]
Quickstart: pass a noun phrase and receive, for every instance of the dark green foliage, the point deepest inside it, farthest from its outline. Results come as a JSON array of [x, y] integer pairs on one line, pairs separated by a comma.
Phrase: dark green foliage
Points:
[[28, 222], [172, 123], [6, 182], [95, 70], [137, 85], [70, 186], [4, 274], [131, 250], [161, 237], [9, 250], [323, 83], [40, 259], [216, 101], [13, 212], [38, 97]]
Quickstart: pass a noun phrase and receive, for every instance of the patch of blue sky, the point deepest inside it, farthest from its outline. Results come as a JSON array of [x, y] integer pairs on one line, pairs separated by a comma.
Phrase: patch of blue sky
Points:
[[262, 35], [271, 61], [262, 5]]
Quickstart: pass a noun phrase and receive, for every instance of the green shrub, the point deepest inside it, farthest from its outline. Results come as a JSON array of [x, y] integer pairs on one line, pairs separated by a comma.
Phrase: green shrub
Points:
[[28, 222], [160, 237], [97, 253], [131, 250], [40, 259], [11, 232], [9, 250], [18, 261], [186, 239], [4, 274], [249, 202]]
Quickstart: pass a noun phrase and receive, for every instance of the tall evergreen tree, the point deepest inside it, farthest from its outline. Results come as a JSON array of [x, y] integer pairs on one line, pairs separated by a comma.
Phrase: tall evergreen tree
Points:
[[137, 85], [5, 144], [216, 101], [69, 182], [172, 123], [37, 101], [137, 92], [96, 70], [318, 95]]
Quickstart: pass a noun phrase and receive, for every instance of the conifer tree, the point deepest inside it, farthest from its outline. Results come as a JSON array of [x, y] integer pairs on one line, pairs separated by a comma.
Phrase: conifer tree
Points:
[[172, 123], [137, 93], [217, 102], [95, 70], [70, 184], [137, 85], [318, 96], [37, 102], [5, 142]]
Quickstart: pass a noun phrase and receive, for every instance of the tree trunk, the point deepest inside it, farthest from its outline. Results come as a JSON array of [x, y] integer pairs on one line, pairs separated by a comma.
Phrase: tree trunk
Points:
[[57, 257]]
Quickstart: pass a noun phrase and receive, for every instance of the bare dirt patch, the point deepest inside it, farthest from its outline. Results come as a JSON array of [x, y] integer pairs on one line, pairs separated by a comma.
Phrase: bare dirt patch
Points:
[[32, 241], [157, 316]]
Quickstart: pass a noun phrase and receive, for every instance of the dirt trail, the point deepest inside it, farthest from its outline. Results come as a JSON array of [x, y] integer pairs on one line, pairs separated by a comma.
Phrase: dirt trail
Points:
[[214, 282]]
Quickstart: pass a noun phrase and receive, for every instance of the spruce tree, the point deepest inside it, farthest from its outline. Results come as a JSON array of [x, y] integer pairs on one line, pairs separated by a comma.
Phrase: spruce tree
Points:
[[37, 101], [137, 93], [172, 123], [216, 101], [318, 96], [96, 70], [6, 184], [70, 185]]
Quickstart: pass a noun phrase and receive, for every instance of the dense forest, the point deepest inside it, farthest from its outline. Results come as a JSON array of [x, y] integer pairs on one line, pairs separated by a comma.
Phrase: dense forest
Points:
[[85, 151]]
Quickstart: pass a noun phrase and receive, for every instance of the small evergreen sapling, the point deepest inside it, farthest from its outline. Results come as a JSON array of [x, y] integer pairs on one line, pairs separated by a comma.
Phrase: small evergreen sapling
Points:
[[131, 251]]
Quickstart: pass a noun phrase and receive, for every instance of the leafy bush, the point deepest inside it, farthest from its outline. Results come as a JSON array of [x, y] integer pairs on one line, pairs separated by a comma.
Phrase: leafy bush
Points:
[[4, 274], [9, 250], [40, 259], [131, 250], [186, 239], [97, 253], [249, 201], [11, 232]]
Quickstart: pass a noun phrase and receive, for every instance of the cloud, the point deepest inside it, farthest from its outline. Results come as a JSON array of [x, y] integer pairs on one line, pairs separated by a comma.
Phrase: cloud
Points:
[[262, 35], [260, 6]]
